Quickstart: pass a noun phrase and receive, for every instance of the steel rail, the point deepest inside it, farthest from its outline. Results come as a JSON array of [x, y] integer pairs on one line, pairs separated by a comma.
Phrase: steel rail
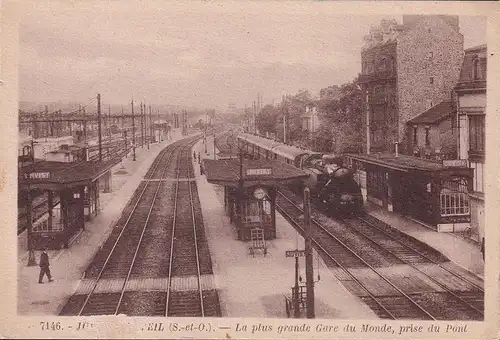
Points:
[[315, 222], [156, 165], [193, 215], [139, 243], [318, 246], [419, 270], [421, 254], [174, 220]]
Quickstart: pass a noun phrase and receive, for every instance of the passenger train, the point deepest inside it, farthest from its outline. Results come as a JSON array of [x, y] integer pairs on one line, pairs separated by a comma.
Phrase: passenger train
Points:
[[329, 181]]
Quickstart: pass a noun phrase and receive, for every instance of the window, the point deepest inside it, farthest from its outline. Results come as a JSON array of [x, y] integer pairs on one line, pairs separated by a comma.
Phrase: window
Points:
[[415, 131], [427, 136], [478, 176], [476, 133], [253, 210], [383, 64], [454, 198], [376, 184], [431, 80], [476, 69], [378, 91], [430, 55], [42, 224]]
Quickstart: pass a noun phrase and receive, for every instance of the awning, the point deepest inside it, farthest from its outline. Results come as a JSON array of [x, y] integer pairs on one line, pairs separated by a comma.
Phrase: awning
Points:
[[258, 171], [57, 175], [405, 163]]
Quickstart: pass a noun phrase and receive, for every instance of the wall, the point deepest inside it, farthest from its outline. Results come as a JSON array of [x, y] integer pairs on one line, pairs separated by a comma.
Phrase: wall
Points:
[[473, 100], [415, 66], [477, 218], [384, 103]]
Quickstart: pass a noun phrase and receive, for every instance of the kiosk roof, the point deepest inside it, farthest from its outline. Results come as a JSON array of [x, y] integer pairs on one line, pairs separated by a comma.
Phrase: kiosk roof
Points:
[[267, 172]]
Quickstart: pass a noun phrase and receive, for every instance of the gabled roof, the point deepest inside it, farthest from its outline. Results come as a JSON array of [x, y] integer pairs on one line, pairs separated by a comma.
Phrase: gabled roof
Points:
[[434, 115]]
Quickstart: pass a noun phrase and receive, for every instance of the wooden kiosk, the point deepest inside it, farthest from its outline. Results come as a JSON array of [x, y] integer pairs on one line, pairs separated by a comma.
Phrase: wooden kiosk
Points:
[[250, 188]]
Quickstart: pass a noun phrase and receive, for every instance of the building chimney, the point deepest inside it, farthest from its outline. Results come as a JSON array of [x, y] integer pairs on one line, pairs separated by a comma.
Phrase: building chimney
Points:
[[396, 145]]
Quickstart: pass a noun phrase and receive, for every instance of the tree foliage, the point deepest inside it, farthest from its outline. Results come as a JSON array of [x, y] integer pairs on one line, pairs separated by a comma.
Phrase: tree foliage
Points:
[[267, 119], [339, 129]]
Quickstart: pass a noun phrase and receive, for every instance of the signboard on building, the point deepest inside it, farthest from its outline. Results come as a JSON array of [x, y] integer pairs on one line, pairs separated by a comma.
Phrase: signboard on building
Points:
[[455, 163], [40, 175], [259, 172]]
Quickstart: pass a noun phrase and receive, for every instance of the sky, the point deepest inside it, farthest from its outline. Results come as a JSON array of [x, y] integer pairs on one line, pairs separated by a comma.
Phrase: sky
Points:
[[209, 55]]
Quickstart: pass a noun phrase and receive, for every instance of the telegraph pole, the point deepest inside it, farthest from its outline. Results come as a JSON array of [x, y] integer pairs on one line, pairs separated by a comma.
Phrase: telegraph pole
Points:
[[109, 130], [150, 125], [84, 127], [124, 133], [133, 130], [99, 125], [142, 126], [159, 139], [309, 255], [253, 127], [205, 137]]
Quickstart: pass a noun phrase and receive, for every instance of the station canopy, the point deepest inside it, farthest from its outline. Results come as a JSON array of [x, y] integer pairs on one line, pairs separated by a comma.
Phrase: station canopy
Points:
[[255, 172], [412, 164], [49, 175]]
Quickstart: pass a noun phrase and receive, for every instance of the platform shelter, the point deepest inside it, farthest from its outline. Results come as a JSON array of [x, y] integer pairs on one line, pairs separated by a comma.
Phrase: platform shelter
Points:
[[250, 188], [72, 191], [434, 193]]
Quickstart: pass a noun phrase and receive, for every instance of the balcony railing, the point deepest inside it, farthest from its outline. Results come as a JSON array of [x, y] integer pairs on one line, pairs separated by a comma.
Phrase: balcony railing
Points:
[[376, 76]]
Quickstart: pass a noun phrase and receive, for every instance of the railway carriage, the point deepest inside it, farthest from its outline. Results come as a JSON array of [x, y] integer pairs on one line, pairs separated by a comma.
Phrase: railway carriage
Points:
[[328, 180]]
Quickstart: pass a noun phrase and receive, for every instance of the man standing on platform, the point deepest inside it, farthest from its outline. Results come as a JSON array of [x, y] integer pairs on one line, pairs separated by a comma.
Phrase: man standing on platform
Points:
[[44, 266]]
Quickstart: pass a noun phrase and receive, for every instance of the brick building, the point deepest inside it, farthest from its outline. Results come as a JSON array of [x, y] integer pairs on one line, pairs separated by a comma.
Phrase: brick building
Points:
[[408, 74], [471, 98]]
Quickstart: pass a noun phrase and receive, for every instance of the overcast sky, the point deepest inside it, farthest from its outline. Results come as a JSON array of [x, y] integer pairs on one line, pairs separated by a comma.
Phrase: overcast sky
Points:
[[208, 55]]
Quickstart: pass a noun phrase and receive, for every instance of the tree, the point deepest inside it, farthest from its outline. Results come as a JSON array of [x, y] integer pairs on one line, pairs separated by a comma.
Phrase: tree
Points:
[[341, 127], [267, 119]]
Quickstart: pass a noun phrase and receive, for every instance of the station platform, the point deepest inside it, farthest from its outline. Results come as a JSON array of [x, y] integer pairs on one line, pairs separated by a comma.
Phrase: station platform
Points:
[[466, 253], [67, 265], [254, 286]]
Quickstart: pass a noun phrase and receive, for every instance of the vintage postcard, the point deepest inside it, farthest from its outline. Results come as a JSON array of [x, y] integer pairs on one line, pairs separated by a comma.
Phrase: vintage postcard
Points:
[[263, 170]]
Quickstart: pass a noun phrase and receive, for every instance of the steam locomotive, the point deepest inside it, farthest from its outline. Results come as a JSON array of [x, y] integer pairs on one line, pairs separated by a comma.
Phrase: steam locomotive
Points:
[[329, 181]]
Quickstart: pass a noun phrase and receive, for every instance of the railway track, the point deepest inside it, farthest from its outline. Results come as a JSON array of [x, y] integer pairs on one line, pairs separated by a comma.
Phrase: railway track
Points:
[[388, 278], [185, 258], [136, 271], [466, 294]]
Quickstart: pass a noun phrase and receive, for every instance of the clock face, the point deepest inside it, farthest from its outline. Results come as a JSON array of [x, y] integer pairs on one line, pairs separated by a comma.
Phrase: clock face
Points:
[[259, 193]]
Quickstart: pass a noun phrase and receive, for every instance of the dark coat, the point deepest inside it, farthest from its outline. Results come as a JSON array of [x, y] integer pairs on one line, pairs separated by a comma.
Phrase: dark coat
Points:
[[44, 260]]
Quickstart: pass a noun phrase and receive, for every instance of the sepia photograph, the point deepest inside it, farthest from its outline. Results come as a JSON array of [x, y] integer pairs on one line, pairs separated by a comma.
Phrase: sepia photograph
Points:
[[223, 162]]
